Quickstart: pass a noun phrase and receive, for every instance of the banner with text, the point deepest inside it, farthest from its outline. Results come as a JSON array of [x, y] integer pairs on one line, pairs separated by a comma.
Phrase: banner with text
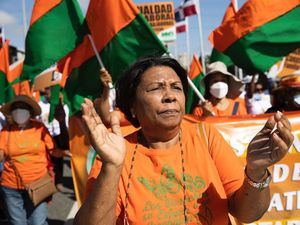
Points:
[[289, 64], [284, 208], [160, 15], [238, 131]]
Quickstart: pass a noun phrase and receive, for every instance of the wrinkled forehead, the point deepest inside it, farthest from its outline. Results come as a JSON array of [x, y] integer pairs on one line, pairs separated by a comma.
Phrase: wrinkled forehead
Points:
[[20, 105], [159, 74]]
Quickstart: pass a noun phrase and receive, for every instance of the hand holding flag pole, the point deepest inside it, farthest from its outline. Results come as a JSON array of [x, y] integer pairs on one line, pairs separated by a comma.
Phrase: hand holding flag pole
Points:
[[98, 57]]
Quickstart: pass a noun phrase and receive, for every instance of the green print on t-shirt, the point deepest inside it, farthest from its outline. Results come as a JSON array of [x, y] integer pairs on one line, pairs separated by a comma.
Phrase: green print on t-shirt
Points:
[[168, 208]]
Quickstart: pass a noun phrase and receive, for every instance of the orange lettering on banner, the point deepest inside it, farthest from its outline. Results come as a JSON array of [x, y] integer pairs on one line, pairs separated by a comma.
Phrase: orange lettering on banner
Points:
[[291, 64]]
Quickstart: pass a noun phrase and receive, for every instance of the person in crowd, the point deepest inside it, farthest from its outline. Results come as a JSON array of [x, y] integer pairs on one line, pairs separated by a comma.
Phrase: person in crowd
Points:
[[105, 106], [287, 96], [2, 120], [106, 103], [58, 128], [24, 145], [222, 90], [258, 99], [2, 214], [172, 171]]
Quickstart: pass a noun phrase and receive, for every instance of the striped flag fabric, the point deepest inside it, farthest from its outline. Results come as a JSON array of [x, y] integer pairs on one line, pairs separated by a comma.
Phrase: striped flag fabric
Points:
[[217, 55], [261, 33], [195, 74], [15, 71], [56, 28], [125, 36], [179, 14], [180, 20], [6, 93], [181, 26], [190, 7]]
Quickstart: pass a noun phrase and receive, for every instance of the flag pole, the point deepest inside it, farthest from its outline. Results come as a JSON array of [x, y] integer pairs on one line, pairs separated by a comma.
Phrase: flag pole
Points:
[[192, 85], [3, 35], [96, 52], [187, 39], [239, 70], [24, 18], [201, 37], [175, 49], [98, 56]]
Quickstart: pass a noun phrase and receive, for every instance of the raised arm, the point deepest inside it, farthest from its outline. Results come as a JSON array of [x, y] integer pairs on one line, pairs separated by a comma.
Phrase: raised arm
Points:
[[269, 146], [99, 207], [104, 106]]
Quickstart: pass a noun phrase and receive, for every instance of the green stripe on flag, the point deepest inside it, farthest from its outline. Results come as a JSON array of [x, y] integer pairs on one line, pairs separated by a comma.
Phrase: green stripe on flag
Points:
[[6, 92], [53, 36], [132, 42], [193, 99], [220, 56], [262, 48], [83, 82], [54, 101]]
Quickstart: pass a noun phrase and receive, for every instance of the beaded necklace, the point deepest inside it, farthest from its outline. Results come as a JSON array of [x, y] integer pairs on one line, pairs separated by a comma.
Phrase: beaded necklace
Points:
[[130, 175]]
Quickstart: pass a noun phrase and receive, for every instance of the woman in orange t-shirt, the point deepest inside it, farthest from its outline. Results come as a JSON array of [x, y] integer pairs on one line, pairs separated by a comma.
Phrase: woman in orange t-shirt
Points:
[[26, 143], [172, 171], [222, 91]]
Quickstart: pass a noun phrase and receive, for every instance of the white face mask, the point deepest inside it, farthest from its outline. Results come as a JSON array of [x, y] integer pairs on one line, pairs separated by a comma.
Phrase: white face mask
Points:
[[20, 116], [297, 99], [219, 90]]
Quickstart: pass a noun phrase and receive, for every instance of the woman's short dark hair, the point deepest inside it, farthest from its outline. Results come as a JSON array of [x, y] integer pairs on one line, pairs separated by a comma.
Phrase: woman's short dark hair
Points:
[[127, 84]]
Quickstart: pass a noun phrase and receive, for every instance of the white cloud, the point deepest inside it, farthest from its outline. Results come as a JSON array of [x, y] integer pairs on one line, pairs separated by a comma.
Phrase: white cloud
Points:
[[6, 18]]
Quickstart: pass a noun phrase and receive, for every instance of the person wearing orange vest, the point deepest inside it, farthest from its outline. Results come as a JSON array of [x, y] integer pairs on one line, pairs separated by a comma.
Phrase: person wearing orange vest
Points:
[[222, 90]]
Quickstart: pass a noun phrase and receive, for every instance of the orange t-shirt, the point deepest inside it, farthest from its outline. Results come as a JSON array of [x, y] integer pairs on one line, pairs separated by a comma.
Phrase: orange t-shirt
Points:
[[228, 111], [212, 171], [27, 148]]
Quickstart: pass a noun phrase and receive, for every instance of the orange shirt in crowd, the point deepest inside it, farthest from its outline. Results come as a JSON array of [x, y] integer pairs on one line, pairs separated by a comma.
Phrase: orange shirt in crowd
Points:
[[228, 111], [27, 148], [212, 171]]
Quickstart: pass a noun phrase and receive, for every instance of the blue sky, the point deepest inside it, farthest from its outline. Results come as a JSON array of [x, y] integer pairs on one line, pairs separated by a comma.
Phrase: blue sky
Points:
[[212, 11]]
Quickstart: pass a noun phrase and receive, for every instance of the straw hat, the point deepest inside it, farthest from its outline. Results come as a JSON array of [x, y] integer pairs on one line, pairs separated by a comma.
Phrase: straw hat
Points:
[[6, 109], [235, 85]]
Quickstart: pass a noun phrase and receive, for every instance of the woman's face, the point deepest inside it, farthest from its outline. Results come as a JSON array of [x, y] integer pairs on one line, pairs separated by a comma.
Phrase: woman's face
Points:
[[160, 100]]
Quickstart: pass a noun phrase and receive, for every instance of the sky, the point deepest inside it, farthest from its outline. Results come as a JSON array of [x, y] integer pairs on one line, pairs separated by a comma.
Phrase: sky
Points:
[[212, 11]]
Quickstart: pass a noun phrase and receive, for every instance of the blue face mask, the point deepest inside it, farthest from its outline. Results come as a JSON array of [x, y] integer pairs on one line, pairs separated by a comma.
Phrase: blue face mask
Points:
[[258, 96]]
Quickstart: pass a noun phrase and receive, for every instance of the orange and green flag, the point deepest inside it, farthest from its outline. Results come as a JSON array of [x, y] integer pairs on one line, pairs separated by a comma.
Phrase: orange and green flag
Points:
[[121, 35], [217, 55], [6, 91], [260, 34], [56, 28], [15, 71], [195, 74]]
